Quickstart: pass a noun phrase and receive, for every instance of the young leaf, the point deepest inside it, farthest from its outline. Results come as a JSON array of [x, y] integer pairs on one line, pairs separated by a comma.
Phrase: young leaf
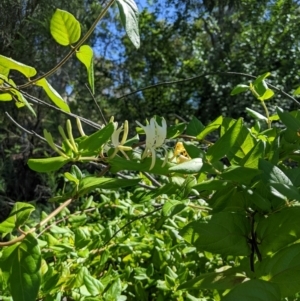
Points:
[[5, 97], [223, 233], [53, 95], [85, 56], [64, 28], [47, 164], [25, 275], [21, 101], [267, 95], [239, 89], [129, 18], [71, 178], [297, 91], [260, 78], [92, 144], [256, 115], [8, 63], [254, 289]]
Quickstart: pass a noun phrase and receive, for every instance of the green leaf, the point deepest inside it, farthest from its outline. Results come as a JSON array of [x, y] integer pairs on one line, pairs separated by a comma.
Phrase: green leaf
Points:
[[85, 56], [193, 151], [255, 289], [92, 144], [189, 167], [25, 275], [194, 127], [272, 173], [225, 199], [252, 157], [90, 183], [210, 128], [288, 191], [239, 89], [276, 231], [210, 185], [71, 178], [114, 291], [175, 130], [297, 91], [283, 270], [21, 101], [289, 120], [94, 286], [240, 174], [129, 18], [255, 198], [256, 115], [225, 143], [172, 207], [5, 97], [53, 95], [64, 28], [267, 95], [260, 78], [8, 63], [18, 216], [219, 280], [223, 233], [47, 164]]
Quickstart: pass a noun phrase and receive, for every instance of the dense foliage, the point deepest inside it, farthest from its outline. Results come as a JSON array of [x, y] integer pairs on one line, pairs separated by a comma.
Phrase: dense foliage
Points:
[[166, 210]]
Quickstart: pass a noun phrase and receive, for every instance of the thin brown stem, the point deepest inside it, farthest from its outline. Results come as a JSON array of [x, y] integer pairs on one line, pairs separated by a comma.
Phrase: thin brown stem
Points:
[[40, 224]]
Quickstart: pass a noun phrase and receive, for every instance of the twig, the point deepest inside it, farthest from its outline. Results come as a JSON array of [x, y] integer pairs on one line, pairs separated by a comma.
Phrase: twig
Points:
[[140, 184], [203, 75], [29, 132], [40, 224], [154, 181], [96, 103], [65, 218], [41, 102]]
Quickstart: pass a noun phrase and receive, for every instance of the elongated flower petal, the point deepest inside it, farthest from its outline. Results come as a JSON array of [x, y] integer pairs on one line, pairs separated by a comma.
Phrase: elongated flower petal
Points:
[[155, 137]]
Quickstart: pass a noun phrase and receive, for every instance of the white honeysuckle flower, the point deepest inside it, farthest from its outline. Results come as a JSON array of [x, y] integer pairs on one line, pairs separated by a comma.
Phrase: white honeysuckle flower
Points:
[[116, 134], [119, 145], [155, 137]]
